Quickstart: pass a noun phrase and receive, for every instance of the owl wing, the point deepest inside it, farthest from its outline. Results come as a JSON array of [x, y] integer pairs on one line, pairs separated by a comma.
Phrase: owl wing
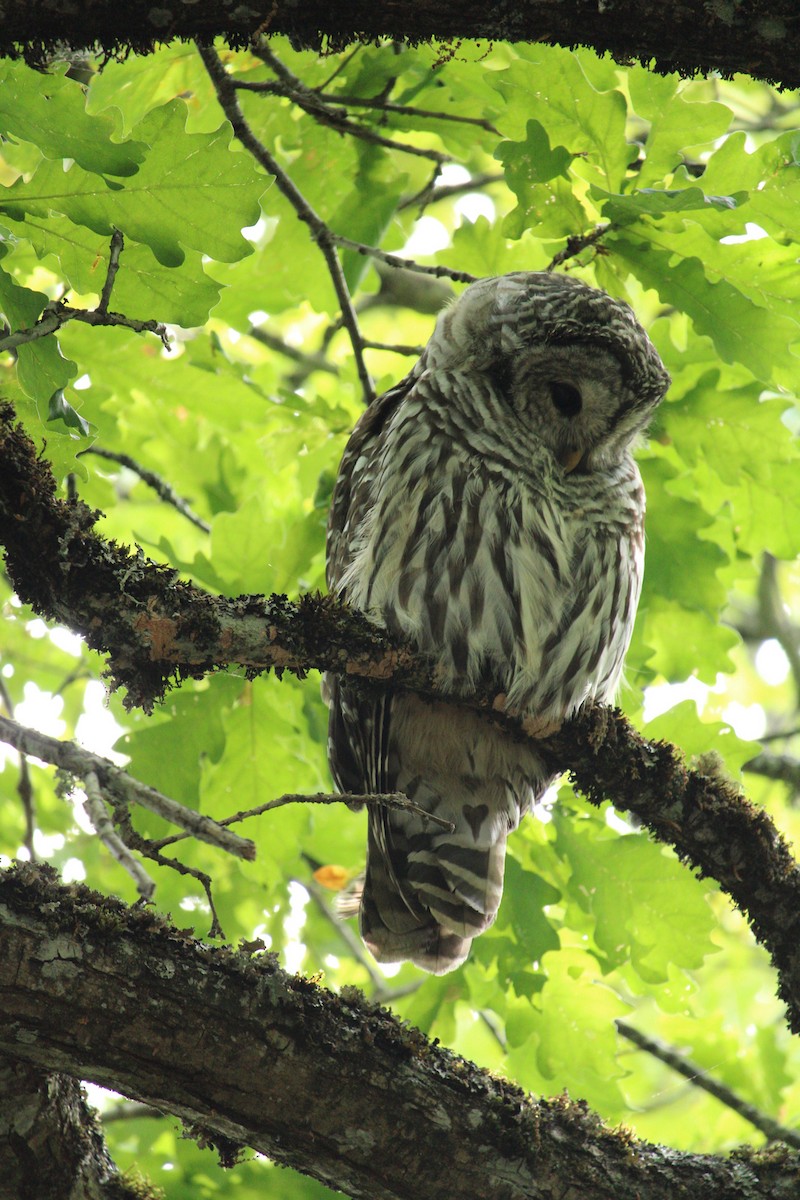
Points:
[[394, 921], [353, 491]]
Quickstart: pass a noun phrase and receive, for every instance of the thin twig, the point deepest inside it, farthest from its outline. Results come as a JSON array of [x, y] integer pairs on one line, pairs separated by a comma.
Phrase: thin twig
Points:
[[314, 362], [446, 191], [397, 801], [57, 313], [394, 800], [159, 485], [150, 850], [24, 783], [395, 348], [343, 62], [291, 82], [575, 244], [96, 811], [319, 108], [226, 94], [701, 1079], [406, 110], [117, 243], [122, 787], [407, 264]]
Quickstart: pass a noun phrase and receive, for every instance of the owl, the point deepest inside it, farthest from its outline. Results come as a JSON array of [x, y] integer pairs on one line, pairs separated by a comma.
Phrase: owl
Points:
[[488, 511]]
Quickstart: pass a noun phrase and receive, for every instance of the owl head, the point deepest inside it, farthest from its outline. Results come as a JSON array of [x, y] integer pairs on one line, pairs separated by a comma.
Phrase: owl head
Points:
[[574, 366]]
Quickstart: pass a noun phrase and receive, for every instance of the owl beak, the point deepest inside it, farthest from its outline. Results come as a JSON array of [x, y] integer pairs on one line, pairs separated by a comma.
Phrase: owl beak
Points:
[[570, 459]]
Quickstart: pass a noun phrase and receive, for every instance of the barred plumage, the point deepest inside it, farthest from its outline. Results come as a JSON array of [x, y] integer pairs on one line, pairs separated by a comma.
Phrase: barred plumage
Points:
[[487, 509]]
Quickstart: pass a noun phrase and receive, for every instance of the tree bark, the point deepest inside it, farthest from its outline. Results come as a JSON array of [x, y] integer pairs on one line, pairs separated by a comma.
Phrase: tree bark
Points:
[[50, 1143], [761, 37], [331, 1085]]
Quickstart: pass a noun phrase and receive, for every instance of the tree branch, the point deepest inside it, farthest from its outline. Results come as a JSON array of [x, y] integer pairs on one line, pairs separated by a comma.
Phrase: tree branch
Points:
[[701, 1079], [774, 617], [324, 110], [403, 264], [394, 800], [311, 362], [57, 314], [97, 813], [156, 629], [50, 1142], [226, 94], [24, 784], [330, 1085], [159, 485], [760, 38], [784, 767], [122, 786]]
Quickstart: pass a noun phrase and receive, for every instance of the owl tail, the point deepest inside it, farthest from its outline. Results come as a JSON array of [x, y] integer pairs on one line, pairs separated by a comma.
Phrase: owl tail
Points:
[[427, 892]]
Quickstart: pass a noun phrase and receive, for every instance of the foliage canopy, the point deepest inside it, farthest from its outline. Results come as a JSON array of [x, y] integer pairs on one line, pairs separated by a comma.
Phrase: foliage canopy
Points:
[[684, 198]]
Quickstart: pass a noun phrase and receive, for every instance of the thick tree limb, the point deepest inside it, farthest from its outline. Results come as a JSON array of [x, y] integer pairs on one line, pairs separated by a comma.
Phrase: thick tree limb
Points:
[[156, 629], [330, 1085], [760, 37], [50, 1143]]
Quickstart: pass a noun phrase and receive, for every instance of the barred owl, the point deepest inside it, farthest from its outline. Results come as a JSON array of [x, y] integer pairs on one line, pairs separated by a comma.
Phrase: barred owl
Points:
[[488, 510]]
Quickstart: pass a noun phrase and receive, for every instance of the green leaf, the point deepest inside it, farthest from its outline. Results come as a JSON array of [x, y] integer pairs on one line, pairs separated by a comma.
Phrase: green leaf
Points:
[[525, 896], [365, 212], [682, 726], [647, 907], [144, 287], [677, 125], [529, 164], [574, 1009], [741, 330], [49, 111], [702, 649], [168, 752], [551, 86], [41, 368], [61, 410], [139, 84], [674, 530], [190, 191], [656, 202]]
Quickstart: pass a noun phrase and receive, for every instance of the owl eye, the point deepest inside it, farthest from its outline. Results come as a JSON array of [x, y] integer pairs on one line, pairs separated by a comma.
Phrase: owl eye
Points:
[[566, 398]]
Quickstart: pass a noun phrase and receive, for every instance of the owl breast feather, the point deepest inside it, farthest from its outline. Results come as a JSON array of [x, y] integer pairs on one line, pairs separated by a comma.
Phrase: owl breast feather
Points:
[[504, 585]]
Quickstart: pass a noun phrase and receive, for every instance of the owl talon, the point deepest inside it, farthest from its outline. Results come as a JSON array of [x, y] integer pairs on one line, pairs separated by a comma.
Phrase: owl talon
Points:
[[535, 727]]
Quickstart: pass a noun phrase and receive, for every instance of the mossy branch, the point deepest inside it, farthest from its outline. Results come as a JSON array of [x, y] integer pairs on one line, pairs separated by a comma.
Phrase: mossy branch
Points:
[[156, 630]]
